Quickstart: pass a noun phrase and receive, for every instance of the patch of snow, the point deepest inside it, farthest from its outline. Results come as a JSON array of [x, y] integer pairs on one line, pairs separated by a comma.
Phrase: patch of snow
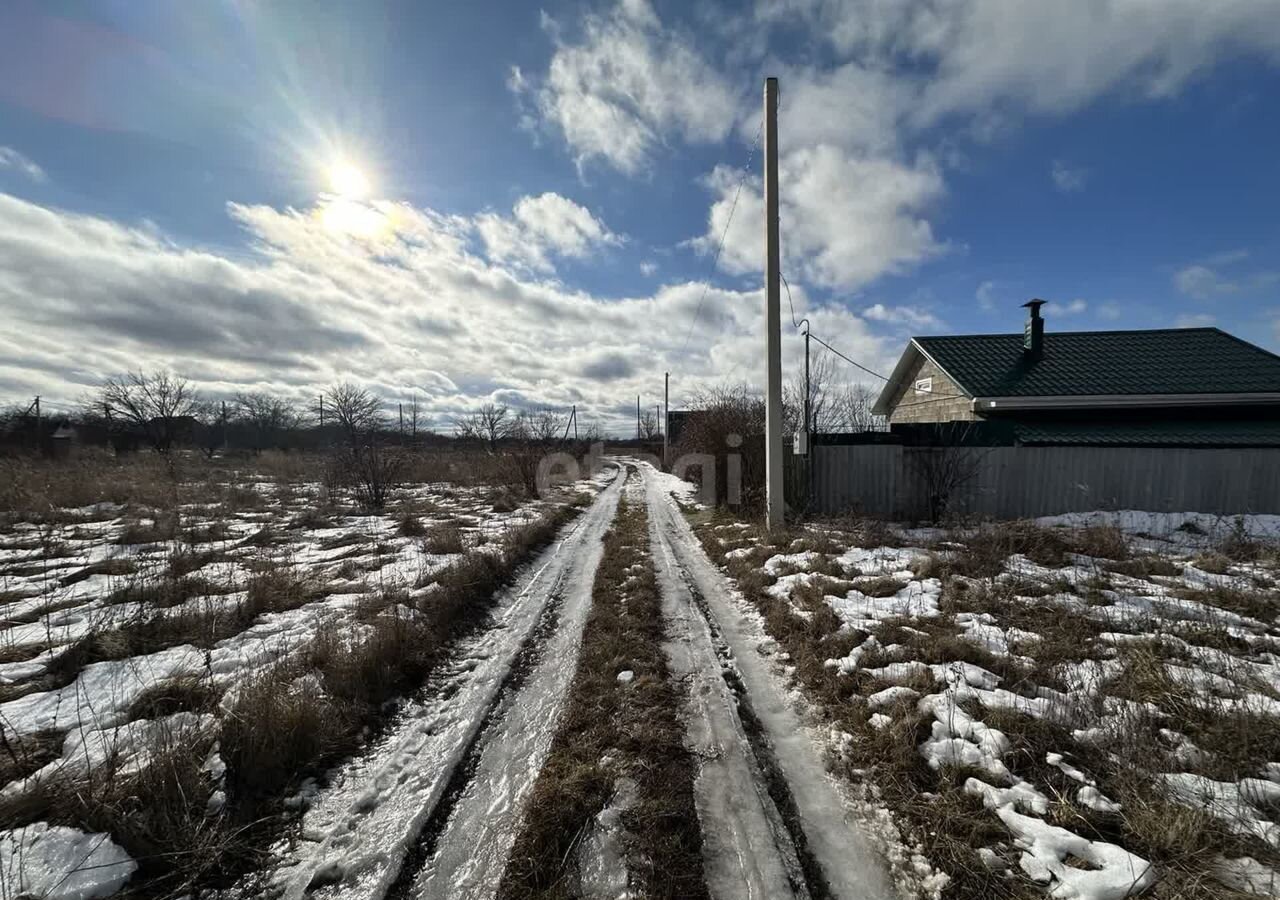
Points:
[[1235, 805], [1093, 798], [58, 863], [1248, 875], [1116, 873], [602, 861], [100, 695], [891, 695]]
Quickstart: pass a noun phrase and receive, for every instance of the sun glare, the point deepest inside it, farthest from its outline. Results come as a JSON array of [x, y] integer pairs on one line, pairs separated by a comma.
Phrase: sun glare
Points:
[[347, 181]]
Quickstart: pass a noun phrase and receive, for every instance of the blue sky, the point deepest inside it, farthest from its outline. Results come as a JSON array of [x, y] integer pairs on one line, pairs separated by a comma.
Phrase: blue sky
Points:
[[547, 186]]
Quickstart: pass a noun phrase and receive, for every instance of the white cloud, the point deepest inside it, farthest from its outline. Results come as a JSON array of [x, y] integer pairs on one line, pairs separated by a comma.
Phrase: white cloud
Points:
[[541, 227], [860, 189], [910, 316], [648, 267], [1205, 281], [1109, 311], [409, 307], [12, 159], [1070, 308], [995, 56], [1194, 320], [629, 84], [1202, 282], [1068, 179], [847, 219], [985, 295]]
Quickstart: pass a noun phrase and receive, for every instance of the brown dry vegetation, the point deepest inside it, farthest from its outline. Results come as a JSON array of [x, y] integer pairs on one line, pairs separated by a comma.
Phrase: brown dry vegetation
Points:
[[948, 823], [291, 721], [612, 731]]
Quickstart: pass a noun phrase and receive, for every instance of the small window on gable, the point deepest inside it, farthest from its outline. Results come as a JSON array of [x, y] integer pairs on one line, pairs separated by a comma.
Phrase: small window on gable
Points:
[[924, 386]]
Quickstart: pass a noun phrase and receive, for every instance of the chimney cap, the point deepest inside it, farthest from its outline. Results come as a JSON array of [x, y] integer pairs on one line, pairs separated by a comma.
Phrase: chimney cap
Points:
[[1035, 304]]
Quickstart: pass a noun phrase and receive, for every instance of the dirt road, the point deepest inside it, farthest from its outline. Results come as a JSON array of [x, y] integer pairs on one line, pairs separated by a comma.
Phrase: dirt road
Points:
[[434, 811]]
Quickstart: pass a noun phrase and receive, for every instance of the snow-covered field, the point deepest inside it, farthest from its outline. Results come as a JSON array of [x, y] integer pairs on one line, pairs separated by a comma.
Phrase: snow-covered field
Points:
[[129, 635], [260, 687], [1085, 707]]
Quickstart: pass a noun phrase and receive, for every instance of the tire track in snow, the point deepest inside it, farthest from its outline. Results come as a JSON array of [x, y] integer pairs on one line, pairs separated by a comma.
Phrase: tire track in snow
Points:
[[356, 836], [468, 840], [792, 835]]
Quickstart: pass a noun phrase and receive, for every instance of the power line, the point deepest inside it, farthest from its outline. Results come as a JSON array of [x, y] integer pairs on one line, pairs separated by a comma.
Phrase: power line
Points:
[[820, 340], [845, 358], [746, 171]]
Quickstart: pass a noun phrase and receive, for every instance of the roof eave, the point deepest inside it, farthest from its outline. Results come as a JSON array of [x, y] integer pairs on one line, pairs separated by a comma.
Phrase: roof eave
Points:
[[1122, 401], [898, 376]]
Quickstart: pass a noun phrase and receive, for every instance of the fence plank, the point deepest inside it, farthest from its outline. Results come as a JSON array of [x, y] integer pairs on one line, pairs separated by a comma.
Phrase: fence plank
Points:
[[1011, 482]]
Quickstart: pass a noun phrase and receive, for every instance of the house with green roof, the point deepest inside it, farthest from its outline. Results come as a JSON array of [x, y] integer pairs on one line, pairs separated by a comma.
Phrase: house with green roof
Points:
[[1183, 387]]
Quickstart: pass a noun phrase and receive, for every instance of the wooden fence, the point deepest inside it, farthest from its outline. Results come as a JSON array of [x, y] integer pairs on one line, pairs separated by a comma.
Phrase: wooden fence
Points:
[[895, 481]]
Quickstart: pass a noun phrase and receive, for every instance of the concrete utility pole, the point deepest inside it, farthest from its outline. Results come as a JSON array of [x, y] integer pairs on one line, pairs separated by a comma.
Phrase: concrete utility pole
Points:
[[774, 517], [322, 410], [666, 420], [638, 435]]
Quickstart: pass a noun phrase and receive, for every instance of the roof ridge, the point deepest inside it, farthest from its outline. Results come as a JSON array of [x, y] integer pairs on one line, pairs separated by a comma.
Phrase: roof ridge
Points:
[[1048, 334]]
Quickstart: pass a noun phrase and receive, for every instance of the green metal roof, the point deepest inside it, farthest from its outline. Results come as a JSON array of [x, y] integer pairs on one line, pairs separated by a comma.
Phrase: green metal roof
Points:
[[1240, 433], [1167, 361]]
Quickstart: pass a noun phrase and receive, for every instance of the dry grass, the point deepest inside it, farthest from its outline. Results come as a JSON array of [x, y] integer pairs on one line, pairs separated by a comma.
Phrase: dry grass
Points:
[[158, 814], [1181, 842], [314, 710], [410, 526], [446, 538], [611, 731]]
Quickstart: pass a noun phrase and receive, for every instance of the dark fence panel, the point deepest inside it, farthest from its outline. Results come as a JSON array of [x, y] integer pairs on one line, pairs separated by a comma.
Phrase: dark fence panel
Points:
[[893, 481]]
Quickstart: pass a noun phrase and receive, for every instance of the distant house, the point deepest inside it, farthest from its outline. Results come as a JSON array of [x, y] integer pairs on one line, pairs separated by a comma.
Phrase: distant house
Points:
[[1167, 387]]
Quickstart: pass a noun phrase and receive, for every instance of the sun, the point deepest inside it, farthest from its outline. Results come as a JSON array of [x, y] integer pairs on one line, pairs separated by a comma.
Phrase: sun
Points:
[[347, 181]]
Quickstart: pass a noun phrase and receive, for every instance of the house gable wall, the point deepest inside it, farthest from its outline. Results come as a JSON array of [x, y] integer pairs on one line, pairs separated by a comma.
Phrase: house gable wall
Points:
[[945, 403]]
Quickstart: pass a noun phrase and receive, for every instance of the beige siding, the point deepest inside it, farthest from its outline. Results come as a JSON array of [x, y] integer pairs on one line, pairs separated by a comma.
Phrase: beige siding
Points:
[[947, 403]]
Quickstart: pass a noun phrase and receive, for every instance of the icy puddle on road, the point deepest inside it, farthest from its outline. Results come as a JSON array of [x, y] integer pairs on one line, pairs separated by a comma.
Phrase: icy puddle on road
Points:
[[359, 830]]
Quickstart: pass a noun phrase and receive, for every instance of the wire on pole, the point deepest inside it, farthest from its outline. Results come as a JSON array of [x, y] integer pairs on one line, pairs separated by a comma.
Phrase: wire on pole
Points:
[[820, 340], [724, 233]]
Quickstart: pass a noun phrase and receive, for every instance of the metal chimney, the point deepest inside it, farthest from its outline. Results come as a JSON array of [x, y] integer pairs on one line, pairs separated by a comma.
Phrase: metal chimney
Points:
[[1033, 336]]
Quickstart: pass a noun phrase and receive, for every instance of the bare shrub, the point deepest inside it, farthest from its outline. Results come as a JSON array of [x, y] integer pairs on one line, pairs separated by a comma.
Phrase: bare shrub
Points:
[[943, 471], [411, 526], [729, 419], [444, 538], [373, 470]]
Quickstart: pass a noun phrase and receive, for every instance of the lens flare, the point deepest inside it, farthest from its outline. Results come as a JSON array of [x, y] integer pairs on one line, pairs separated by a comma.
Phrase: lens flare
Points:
[[347, 181]]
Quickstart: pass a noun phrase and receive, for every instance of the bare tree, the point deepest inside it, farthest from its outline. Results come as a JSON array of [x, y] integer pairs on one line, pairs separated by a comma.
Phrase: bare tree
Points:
[[650, 430], [355, 410], [854, 405], [824, 412], [159, 405], [370, 468], [265, 417], [211, 431], [490, 423]]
